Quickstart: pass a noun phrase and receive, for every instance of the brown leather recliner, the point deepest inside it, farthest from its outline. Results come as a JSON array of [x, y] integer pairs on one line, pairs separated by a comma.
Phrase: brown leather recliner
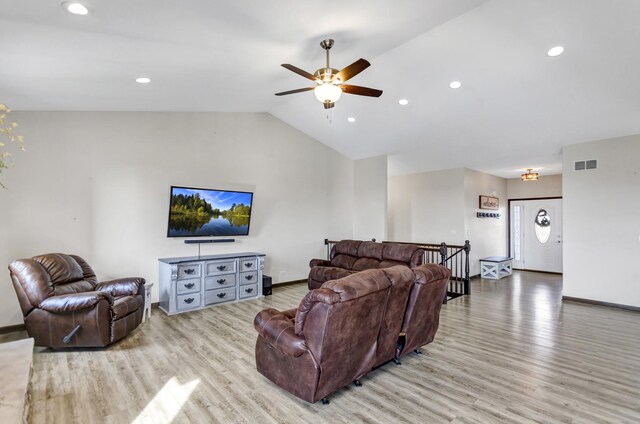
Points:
[[396, 305], [350, 256], [64, 305], [332, 338], [339, 332], [422, 315]]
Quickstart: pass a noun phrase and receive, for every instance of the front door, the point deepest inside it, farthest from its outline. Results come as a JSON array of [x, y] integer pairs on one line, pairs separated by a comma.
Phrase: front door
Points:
[[536, 234]]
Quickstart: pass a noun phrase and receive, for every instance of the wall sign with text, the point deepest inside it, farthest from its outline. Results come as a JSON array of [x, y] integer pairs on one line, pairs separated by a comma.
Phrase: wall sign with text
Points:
[[488, 202]]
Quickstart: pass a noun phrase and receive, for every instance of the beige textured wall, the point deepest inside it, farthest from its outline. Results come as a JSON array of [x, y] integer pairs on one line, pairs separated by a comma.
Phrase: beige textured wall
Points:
[[441, 206], [546, 186], [601, 222], [427, 207], [370, 198], [488, 236], [97, 185]]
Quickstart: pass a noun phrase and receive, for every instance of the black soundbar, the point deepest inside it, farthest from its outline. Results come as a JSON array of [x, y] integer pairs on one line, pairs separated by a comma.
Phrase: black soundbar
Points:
[[209, 241]]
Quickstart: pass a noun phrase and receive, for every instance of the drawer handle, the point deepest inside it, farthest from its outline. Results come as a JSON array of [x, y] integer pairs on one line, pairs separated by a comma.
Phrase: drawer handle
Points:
[[221, 295], [248, 264], [189, 285], [248, 290], [189, 271], [221, 281], [222, 267], [249, 277], [189, 300]]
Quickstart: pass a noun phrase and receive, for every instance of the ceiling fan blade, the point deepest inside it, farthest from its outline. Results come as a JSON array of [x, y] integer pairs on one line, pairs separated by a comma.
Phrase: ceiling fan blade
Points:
[[360, 91], [352, 70], [299, 90], [300, 72]]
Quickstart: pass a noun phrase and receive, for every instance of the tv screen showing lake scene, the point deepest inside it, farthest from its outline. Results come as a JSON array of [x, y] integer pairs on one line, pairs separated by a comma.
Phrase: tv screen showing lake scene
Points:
[[197, 212]]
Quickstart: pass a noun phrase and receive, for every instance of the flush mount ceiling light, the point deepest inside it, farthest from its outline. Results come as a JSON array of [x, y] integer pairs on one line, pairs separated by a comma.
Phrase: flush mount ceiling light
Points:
[[555, 51], [331, 82], [75, 8], [455, 84], [351, 119], [529, 176], [143, 80], [403, 102]]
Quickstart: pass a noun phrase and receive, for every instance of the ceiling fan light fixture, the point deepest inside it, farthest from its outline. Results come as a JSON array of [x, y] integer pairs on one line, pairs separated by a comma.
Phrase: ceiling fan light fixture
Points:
[[330, 81], [529, 175], [327, 93]]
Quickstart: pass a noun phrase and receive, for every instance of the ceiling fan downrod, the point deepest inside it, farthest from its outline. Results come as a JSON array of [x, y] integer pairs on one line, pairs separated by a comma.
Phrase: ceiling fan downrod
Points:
[[327, 44]]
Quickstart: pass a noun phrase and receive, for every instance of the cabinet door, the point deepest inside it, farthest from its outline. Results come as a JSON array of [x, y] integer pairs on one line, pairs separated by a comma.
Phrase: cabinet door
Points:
[[219, 281], [248, 265], [188, 286], [248, 277], [219, 296], [221, 267], [249, 290], [188, 301], [186, 271]]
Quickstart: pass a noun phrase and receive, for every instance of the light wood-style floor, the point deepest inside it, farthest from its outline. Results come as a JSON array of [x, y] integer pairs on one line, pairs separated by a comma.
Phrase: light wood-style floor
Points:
[[511, 352]]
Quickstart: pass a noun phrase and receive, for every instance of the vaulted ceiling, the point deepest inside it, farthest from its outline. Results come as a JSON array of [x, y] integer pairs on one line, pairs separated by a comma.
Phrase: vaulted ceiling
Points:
[[516, 107]]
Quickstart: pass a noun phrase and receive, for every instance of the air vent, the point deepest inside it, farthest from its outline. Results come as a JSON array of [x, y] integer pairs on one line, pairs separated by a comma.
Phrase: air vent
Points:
[[582, 165]]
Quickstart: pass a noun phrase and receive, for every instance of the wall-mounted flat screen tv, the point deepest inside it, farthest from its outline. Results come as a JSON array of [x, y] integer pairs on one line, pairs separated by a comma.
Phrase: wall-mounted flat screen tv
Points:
[[199, 212]]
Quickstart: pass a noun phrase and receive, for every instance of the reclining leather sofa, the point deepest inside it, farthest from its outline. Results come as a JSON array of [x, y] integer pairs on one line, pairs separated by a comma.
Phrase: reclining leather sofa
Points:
[[346, 328], [351, 256], [64, 305]]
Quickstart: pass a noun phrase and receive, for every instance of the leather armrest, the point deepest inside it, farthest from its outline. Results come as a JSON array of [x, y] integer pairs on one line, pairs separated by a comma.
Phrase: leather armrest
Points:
[[74, 302], [319, 262], [122, 286], [277, 330]]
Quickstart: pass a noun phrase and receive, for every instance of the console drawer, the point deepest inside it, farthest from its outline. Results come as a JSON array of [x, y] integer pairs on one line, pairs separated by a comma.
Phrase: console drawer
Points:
[[248, 277], [188, 286], [219, 282], [188, 301], [220, 267], [248, 265], [186, 271], [250, 290], [219, 296]]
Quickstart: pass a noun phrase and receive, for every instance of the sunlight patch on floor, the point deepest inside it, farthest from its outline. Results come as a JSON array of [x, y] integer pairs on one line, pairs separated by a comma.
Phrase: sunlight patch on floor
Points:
[[164, 407]]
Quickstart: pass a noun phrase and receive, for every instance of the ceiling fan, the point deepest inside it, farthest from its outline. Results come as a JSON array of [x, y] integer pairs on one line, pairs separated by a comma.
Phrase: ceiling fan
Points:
[[331, 82]]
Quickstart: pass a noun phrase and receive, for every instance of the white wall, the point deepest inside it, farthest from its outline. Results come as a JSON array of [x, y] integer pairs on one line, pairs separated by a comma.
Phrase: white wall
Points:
[[488, 236], [602, 222], [427, 207], [441, 206], [97, 185], [370, 198], [546, 186]]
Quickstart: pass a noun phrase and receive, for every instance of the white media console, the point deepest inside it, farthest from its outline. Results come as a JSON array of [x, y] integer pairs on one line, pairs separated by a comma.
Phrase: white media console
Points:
[[195, 282]]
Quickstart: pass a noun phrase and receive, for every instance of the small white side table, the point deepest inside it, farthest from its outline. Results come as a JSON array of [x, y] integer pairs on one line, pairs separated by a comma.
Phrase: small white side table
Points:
[[495, 267], [147, 301]]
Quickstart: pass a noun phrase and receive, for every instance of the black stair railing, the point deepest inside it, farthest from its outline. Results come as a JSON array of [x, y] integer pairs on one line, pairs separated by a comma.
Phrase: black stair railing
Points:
[[453, 256]]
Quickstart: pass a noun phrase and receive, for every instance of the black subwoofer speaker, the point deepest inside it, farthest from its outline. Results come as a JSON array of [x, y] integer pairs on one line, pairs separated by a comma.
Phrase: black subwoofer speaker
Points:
[[266, 285]]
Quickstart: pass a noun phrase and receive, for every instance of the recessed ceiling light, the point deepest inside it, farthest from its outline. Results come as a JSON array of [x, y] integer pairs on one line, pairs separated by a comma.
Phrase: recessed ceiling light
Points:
[[555, 51], [455, 84], [143, 80], [403, 102], [75, 7], [351, 119]]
